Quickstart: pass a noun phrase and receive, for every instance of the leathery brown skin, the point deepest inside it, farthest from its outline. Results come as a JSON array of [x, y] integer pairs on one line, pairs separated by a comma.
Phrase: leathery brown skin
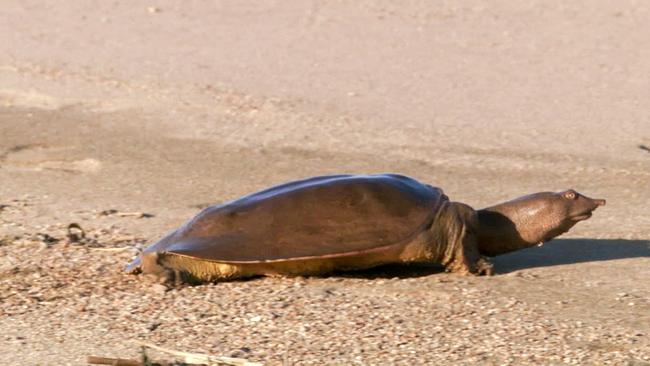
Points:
[[458, 237], [531, 220], [450, 239]]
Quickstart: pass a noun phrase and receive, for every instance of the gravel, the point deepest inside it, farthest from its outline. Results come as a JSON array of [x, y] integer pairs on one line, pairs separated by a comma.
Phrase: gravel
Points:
[[59, 297]]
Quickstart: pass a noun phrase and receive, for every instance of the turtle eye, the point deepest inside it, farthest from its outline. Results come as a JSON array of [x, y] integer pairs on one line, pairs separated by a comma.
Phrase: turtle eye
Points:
[[570, 195]]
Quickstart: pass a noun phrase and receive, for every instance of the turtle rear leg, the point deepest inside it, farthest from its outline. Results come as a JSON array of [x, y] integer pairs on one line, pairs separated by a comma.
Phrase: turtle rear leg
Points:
[[152, 267]]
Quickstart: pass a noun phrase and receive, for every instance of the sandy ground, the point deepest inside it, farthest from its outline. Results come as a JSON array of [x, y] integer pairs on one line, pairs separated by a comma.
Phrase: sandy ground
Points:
[[165, 107]]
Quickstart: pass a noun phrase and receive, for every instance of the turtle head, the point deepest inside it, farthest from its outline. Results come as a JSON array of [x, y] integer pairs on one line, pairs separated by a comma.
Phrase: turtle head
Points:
[[531, 220], [578, 206]]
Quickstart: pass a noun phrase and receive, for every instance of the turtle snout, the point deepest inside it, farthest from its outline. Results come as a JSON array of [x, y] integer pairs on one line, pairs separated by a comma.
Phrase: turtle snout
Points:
[[595, 203], [584, 207]]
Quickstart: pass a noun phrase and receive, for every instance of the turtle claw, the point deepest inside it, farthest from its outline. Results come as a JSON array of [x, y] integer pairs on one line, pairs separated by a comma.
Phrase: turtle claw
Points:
[[484, 267]]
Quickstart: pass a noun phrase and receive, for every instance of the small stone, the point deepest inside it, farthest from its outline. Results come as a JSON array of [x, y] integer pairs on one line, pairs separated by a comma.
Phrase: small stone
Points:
[[159, 288]]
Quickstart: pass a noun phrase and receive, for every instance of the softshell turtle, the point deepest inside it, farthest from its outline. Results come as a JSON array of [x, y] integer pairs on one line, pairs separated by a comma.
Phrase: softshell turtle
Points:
[[347, 222]]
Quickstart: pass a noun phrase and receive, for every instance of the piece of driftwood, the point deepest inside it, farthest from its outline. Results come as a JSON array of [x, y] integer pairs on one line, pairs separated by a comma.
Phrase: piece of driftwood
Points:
[[187, 358], [200, 358]]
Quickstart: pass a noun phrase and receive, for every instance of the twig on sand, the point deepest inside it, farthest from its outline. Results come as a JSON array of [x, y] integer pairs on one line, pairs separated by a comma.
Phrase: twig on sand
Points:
[[200, 358], [125, 214], [135, 214], [94, 360], [644, 148], [118, 249]]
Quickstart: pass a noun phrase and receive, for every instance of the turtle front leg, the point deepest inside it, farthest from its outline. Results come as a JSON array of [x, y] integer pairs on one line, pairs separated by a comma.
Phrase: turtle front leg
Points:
[[465, 262], [466, 258], [457, 228]]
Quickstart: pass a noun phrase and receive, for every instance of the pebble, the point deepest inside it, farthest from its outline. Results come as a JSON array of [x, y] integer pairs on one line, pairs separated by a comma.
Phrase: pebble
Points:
[[159, 288]]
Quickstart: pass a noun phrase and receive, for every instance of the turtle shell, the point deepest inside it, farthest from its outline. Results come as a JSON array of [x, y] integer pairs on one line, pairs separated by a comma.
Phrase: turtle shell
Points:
[[319, 217]]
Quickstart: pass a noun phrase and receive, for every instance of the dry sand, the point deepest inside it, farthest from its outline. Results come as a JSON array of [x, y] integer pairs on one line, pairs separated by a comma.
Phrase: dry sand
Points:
[[164, 107]]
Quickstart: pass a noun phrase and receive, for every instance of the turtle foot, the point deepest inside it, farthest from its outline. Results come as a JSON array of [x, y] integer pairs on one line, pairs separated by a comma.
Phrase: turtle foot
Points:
[[481, 267], [484, 267], [154, 271]]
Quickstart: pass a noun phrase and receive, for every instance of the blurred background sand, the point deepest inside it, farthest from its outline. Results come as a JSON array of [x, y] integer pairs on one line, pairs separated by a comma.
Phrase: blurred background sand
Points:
[[165, 107]]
